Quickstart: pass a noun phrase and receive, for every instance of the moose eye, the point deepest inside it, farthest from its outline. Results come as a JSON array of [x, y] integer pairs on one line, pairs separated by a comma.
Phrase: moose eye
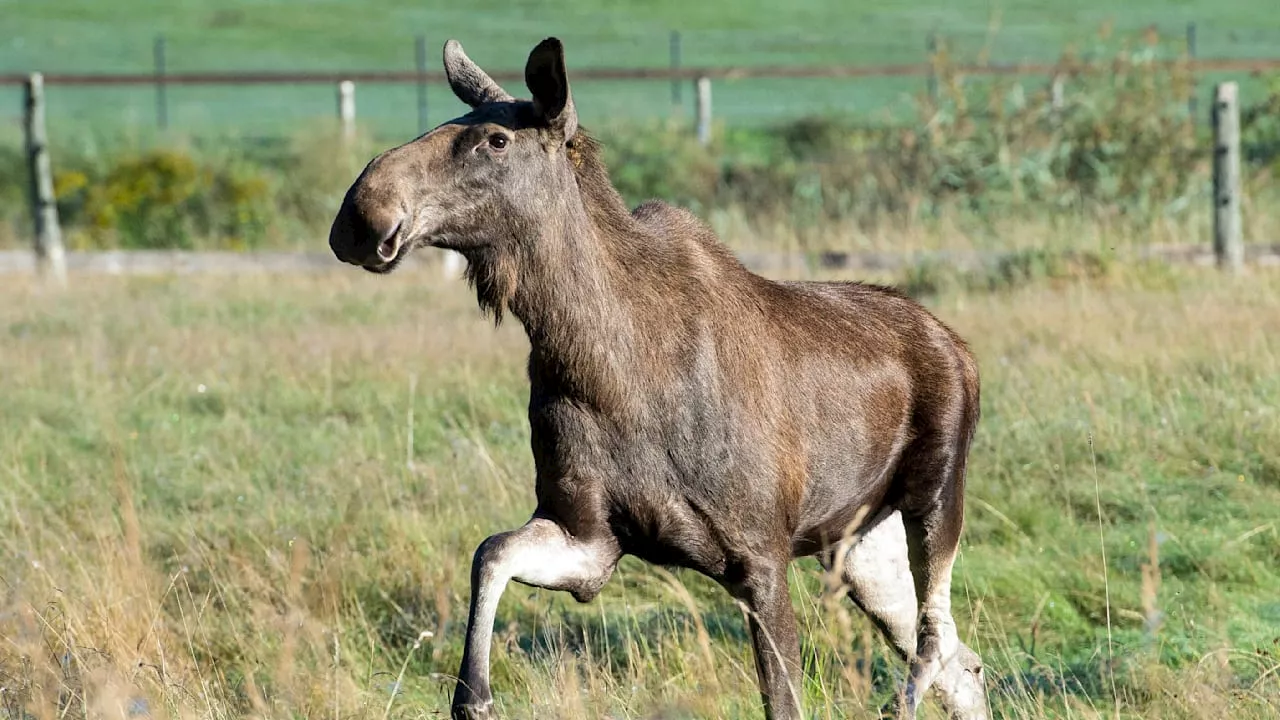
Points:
[[498, 141]]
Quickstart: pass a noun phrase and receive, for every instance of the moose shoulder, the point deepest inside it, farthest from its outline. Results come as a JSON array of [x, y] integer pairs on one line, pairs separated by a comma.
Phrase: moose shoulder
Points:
[[683, 409]]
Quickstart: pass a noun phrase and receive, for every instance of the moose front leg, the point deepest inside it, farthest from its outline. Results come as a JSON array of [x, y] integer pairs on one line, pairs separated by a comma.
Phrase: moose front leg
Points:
[[774, 639], [540, 554]]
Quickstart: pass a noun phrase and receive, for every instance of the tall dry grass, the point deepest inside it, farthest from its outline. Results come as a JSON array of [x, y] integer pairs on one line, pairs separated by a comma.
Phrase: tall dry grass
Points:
[[258, 497]]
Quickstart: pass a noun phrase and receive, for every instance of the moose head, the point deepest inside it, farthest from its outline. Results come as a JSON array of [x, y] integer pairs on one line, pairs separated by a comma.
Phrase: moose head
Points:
[[490, 177]]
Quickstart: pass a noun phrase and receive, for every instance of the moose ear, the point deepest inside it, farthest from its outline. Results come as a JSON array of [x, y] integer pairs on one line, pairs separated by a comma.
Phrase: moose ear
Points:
[[545, 76], [472, 85]]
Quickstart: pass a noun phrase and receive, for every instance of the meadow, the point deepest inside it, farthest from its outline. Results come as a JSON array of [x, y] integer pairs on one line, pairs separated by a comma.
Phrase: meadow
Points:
[[258, 497]]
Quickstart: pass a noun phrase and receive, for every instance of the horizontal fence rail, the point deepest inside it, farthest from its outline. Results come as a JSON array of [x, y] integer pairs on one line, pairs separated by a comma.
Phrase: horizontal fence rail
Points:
[[1256, 66]]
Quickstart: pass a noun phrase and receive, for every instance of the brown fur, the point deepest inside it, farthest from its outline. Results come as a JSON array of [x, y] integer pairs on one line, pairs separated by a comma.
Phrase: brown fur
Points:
[[683, 409]]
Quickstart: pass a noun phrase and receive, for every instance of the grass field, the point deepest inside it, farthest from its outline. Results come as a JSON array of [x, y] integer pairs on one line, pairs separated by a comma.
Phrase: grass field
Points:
[[87, 35], [252, 497], [259, 497]]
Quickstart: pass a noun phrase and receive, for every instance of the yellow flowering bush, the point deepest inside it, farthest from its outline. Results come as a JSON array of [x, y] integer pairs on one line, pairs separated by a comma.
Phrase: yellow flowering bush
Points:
[[165, 198]]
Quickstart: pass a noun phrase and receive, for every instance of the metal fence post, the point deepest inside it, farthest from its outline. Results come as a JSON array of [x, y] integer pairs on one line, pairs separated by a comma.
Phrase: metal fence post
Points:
[[50, 257], [1228, 240], [1193, 106], [162, 99], [676, 99]]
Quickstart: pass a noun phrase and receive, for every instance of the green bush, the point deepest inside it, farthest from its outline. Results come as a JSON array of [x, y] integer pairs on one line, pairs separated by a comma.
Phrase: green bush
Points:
[[662, 161], [1120, 144], [165, 198], [1260, 130]]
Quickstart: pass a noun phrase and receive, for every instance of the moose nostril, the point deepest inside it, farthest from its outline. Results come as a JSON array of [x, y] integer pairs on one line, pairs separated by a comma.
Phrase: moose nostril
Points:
[[390, 244], [387, 249]]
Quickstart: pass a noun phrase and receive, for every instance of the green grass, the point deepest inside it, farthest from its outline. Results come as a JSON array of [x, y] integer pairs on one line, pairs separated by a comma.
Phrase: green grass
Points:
[[87, 35], [248, 497]]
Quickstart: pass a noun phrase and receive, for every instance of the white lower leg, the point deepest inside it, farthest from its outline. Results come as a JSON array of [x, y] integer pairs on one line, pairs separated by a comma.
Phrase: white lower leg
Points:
[[878, 573], [938, 641], [943, 662], [540, 554]]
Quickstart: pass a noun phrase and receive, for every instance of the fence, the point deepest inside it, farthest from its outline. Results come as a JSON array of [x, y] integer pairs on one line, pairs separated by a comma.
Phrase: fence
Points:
[[677, 76], [782, 65], [1227, 241]]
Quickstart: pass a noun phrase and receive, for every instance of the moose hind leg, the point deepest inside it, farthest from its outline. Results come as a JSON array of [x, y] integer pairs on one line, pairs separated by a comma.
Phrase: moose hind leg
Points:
[[541, 554], [940, 660], [877, 570]]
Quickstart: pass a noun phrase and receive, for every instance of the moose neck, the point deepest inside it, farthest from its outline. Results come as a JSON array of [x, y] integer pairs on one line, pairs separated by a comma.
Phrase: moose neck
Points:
[[572, 300]]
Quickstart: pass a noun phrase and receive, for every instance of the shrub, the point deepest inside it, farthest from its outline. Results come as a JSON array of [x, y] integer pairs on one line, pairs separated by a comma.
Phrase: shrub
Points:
[[1260, 130], [165, 198], [663, 161]]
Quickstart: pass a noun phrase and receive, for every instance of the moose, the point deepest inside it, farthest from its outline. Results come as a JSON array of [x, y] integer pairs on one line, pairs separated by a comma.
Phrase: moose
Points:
[[683, 409]]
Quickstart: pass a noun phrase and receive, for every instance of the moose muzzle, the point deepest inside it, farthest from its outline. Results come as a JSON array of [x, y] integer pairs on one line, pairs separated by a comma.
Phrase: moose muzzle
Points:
[[369, 237]]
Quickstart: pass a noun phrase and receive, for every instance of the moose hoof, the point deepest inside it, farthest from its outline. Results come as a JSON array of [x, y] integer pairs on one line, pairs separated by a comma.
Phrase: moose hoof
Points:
[[476, 710], [963, 687]]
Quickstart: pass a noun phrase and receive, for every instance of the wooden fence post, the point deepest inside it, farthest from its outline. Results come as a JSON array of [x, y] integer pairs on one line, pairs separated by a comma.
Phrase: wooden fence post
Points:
[[50, 257], [452, 265], [420, 61], [676, 99], [162, 99], [1228, 241], [347, 109], [703, 92], [1057, 96]]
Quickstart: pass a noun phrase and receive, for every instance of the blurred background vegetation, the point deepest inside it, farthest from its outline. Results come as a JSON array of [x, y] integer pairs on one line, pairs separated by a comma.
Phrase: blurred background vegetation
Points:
[[1122, 149]]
